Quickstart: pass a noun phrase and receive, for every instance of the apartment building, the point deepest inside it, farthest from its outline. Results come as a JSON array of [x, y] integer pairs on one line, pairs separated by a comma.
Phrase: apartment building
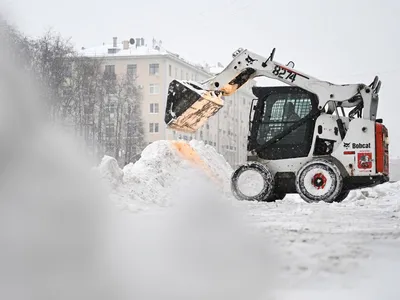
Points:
[[155, 68]]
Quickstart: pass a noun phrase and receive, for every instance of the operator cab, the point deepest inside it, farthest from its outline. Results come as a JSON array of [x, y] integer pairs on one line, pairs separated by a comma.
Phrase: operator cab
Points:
[[282, 125]]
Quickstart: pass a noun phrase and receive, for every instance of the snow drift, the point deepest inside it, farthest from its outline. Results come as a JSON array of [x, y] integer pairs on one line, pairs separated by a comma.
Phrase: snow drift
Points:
[[154, 178]]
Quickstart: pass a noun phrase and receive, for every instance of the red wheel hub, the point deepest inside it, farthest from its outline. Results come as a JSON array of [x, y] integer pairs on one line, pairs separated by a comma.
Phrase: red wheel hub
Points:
[[319, 181]]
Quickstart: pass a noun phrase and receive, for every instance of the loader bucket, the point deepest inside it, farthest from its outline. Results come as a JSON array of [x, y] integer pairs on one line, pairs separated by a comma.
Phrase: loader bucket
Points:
[[189, 106]]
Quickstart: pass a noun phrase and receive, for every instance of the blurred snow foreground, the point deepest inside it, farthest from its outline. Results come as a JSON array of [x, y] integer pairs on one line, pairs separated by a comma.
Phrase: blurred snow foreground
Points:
[[62, 238]]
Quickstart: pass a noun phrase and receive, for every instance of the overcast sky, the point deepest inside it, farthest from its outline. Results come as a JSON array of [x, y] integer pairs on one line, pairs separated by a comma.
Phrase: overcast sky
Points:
[[340, 41]]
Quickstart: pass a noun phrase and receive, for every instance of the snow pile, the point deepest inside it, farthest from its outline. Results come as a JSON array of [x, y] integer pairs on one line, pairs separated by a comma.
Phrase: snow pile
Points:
[[215, 161], [110, 171], [379, 191], [152, 180], [150, 177], [385, 196]]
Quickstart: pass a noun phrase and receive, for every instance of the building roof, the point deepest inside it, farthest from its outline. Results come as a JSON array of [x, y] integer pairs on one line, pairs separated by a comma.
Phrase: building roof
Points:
[[139, 48], [107, 50]]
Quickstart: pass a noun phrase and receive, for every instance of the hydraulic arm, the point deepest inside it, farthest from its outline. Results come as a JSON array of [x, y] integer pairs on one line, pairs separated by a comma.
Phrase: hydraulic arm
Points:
[[190, 104]]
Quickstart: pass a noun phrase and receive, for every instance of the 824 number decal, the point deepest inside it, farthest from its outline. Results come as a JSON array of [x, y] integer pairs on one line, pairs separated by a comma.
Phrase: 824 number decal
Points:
[[284, 73]]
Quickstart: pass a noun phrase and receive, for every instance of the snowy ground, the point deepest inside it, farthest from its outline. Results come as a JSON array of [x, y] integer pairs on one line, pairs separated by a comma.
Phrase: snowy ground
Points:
[[302, 251], [332, 250]]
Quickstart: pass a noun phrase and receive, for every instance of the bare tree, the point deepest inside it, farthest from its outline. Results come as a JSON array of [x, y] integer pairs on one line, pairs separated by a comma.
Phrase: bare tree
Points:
[[125, 136], [84, 90], [52, 58], [104, 110], [18, 45], [133, 122]]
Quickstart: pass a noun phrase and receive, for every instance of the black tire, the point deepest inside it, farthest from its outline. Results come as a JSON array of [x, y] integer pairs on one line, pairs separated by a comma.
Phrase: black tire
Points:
[[275, 197], [280, 196], [266, 194], [342, 196], [319, 180]]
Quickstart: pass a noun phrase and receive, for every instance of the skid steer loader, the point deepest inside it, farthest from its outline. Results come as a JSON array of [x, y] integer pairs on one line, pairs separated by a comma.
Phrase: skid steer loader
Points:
[[311, 137]]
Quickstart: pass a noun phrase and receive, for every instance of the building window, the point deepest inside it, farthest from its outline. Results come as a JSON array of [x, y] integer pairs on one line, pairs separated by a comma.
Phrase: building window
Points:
[[182, 74], [131, 70], [176, 73], [154, 89], [170, 70], [187, 76], [112, 50], [154, 69], [153, 127], [110, 130], [109, 71], [154, 108], [110, 108], [139, 42]]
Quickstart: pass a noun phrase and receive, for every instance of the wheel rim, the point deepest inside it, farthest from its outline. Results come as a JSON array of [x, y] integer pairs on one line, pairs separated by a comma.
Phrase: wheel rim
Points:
[[318, 182], [267, 182]]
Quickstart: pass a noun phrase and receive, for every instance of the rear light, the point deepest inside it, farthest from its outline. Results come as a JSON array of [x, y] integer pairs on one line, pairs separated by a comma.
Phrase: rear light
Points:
[[382, 149], [386, 140]]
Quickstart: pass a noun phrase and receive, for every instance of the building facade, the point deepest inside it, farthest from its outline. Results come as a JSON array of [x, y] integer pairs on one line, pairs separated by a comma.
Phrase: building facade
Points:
[[154, 68]]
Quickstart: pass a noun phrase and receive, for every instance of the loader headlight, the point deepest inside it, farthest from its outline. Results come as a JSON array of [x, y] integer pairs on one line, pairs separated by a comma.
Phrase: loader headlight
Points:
[[386, 140], [237, 52]]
